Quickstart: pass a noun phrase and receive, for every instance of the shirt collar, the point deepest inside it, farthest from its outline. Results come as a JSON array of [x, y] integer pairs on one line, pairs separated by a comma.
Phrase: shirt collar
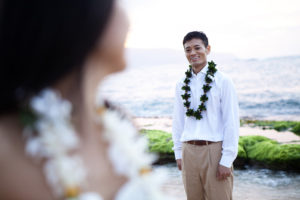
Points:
[[203, 71]]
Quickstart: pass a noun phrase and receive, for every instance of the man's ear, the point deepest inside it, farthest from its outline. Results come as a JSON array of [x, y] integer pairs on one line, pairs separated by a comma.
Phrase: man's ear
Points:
[[207, 49]]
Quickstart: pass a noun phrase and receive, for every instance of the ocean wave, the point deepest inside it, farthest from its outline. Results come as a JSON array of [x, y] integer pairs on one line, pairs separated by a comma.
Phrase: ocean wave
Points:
[[282, 104]]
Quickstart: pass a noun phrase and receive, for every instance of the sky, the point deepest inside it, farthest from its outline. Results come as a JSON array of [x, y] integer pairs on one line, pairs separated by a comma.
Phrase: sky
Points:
[[243, 28]]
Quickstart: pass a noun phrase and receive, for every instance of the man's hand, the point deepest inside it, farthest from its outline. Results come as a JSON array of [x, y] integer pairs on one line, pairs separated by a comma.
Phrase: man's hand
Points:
[[223, 172], [179, 164]]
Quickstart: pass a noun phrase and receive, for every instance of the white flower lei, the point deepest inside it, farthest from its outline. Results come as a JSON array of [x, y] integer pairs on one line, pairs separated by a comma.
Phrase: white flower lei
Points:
[[66, 174]]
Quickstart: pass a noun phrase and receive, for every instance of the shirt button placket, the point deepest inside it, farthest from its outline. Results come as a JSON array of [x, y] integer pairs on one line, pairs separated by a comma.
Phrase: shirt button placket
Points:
[[198, 87], [197, 92]]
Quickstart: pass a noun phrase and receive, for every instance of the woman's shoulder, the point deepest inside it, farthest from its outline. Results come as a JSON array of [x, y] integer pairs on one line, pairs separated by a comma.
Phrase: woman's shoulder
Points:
[[19, 176], [10, 135]]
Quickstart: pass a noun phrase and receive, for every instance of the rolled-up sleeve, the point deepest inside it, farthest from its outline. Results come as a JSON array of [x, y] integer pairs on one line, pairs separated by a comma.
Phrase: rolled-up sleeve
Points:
[[231, 123], [178, 121]]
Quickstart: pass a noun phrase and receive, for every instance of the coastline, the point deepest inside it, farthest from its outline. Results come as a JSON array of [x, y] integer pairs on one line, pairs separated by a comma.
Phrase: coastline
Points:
[[165, 124], [262, 179]]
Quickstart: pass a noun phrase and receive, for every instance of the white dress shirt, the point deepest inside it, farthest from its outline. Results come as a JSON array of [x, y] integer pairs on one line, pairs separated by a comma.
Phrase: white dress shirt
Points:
[[220, 121]]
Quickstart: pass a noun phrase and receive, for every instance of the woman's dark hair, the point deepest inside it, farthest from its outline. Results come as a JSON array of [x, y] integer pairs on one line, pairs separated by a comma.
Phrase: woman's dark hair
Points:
[[196, 35], [43, 40]]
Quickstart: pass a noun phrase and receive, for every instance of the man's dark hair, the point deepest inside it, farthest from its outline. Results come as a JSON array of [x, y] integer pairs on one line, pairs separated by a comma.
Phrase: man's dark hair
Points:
[[198, 35], [42, 41]]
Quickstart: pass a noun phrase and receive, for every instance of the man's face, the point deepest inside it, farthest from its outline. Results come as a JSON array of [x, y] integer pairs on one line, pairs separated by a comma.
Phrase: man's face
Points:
[[196, 52]]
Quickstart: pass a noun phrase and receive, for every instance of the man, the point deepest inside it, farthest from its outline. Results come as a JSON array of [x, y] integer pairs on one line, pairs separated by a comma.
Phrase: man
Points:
[[205, 125]]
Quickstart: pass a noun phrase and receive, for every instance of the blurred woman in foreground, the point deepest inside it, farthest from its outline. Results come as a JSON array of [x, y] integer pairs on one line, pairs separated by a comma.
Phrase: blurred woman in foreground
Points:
[[56, 141]]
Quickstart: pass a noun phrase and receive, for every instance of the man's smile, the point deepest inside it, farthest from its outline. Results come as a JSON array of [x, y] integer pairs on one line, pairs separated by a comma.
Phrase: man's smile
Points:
[[195, 58]]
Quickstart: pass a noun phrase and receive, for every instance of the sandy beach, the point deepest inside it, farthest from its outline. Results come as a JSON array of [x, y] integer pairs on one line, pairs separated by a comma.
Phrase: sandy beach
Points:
[[165, 124]]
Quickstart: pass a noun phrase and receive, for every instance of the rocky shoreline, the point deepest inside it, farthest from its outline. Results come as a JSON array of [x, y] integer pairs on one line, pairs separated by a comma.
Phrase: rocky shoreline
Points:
[[259, 148]]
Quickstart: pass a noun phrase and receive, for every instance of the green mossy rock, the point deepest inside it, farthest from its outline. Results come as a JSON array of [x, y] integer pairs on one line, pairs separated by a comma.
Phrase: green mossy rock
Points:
[[244, 143], [160, 142], [241, 152], [241, 159], [252, 150], [281, 127], [248, 141], [262, 151], [296, 129]]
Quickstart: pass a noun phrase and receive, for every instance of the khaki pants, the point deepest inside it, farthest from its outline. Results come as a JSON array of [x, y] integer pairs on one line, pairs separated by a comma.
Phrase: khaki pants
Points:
[[199, 169]]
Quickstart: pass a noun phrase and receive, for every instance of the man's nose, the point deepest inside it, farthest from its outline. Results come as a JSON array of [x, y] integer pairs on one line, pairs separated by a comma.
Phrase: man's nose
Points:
[[193, 52]]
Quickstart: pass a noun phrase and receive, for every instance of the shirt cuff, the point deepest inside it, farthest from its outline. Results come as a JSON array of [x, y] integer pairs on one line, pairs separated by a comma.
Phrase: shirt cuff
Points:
[[226, 161], [177, 154]]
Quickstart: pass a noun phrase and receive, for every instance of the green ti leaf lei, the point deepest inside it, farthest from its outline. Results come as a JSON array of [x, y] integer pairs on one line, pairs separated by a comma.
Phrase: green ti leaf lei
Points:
[[206, 87]]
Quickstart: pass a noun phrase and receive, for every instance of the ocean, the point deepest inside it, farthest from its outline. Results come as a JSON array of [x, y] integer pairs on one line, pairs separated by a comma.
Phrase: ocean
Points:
[[268, 89]]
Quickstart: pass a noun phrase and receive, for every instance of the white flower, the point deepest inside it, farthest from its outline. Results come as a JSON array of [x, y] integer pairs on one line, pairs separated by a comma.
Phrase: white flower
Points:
[[146, 187], [124, 140], [90, 196], [50, 105], [71, 170], [211, 77], [55, 140], [56, 137], [66, 171], [34, 147], [53, 178]]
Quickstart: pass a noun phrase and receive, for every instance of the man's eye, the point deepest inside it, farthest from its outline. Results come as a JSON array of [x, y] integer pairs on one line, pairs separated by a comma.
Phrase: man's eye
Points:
[[187, 50]]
